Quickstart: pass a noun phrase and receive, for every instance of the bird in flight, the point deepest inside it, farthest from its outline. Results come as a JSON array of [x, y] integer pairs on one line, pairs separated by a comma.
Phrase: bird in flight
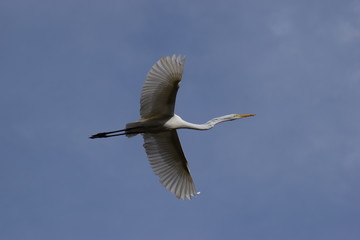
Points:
[[158, 124]]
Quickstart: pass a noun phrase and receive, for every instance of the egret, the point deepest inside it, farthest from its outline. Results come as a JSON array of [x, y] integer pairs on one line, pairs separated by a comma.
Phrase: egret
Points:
[[158, 125]]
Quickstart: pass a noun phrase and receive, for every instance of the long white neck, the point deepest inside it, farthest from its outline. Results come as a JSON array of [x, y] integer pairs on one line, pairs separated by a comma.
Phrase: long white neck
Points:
[[205, 126]]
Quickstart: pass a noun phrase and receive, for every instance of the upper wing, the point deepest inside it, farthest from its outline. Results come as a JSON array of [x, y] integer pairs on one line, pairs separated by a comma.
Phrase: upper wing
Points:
[[168, 161], [161, 85]]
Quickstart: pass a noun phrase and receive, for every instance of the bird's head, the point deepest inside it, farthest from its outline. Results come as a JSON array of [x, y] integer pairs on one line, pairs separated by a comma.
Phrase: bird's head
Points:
[[225, 118]]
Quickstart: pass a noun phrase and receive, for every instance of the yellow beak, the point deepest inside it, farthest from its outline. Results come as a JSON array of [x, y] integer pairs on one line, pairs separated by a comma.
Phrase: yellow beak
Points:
[[246, 115]]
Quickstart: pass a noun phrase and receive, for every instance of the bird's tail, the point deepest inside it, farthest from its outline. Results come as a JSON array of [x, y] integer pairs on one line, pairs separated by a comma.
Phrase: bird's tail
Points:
[[132, 129]]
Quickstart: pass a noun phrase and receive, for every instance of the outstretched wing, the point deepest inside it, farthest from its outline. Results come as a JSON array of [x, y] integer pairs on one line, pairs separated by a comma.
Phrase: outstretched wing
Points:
[[158, 93], [168, 161]]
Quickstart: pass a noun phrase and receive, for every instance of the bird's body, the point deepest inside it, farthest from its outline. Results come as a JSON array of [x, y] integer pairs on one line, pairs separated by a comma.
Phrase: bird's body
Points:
[[158, 124]]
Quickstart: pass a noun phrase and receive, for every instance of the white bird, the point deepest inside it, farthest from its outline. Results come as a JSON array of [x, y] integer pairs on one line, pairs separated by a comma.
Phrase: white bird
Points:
[[158, 125]]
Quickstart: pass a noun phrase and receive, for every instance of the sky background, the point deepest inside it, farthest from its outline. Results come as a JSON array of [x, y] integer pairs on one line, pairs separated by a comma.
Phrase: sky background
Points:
[[72, 68]]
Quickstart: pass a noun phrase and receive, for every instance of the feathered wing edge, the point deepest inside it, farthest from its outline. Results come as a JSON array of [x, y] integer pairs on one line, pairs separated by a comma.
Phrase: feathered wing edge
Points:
[[168, 161], [159, 91]]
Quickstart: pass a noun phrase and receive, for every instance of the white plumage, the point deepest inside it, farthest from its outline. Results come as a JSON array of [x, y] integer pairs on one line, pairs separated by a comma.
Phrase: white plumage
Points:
[[158, 125], [168, 161], [158, 94]]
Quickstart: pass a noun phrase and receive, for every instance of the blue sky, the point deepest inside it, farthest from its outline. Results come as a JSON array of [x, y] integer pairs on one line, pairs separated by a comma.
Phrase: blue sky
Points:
[[70, 69]]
